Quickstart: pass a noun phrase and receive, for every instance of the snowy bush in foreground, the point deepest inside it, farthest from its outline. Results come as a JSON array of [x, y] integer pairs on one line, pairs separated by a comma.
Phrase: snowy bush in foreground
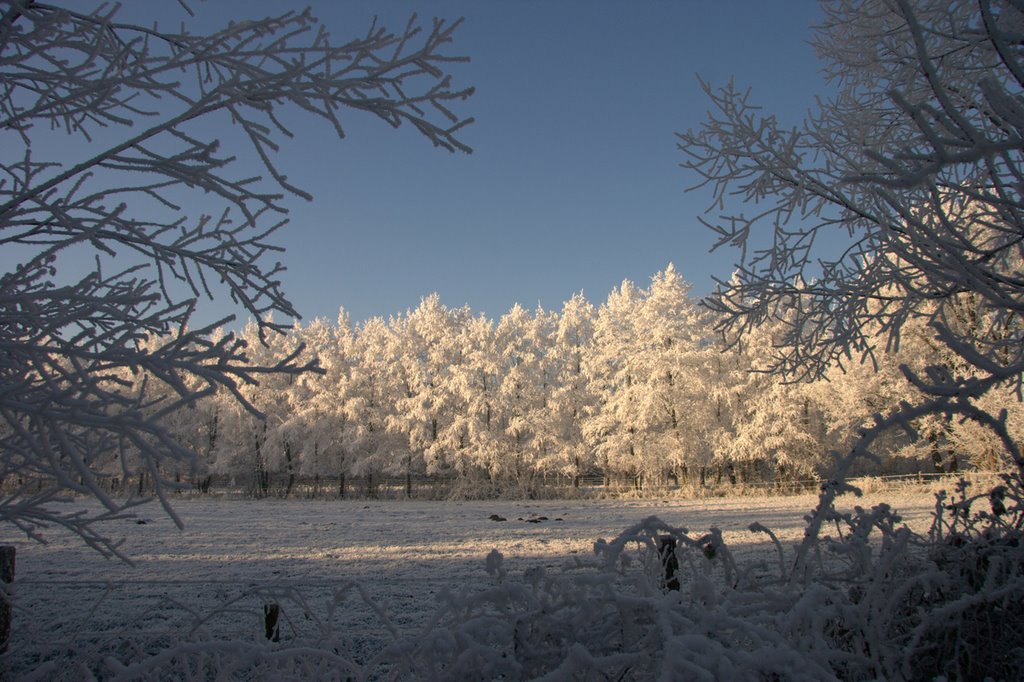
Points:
[[872, 601]]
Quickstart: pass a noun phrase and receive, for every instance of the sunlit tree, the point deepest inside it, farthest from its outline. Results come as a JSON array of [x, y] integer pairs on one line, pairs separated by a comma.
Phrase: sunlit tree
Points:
[[476, 428], [427, 353], [572, 401], [616, 430], [369, 407]]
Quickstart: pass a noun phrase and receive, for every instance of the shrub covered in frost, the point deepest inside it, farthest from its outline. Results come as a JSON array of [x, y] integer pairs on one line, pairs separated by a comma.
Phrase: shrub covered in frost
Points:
[[862, 597]]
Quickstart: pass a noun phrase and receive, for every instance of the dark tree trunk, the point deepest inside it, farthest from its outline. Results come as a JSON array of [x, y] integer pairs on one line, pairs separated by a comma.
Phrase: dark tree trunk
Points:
[[291, 471]]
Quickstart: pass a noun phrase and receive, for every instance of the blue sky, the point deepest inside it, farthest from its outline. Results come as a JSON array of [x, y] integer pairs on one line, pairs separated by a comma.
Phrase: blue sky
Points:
[[574, 182]]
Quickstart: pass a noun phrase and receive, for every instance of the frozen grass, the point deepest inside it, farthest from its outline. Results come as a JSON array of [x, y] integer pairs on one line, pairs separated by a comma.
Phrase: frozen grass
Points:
[[234, 556]]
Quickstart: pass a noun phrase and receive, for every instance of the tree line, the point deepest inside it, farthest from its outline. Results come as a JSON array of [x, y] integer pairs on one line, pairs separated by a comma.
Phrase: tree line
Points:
[[641, 389]]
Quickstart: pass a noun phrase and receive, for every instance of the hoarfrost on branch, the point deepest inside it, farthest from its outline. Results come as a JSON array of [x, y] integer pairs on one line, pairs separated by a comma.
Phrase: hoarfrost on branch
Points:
[[107, 147]]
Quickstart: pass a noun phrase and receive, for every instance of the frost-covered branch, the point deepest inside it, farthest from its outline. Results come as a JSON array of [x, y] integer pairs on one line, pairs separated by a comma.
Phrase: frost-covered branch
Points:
[[106, 131], [896, 196]]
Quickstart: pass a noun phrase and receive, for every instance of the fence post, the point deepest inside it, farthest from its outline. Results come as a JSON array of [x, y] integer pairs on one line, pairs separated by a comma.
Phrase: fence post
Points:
[[669, 562], [271, 613], [7, 577]]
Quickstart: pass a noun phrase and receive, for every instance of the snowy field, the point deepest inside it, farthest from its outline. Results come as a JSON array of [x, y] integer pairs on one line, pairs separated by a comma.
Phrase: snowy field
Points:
[[236, 555]]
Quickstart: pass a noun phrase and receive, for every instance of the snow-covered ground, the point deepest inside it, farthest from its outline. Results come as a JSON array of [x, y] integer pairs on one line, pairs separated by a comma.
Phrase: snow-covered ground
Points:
[[236, 555]]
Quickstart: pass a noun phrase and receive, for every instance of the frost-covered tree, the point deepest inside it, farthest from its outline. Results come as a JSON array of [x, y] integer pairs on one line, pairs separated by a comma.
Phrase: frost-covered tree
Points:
[[107, 146], [854, 392], [571, 401], [195, 426], [524, 393], [616, 430], [315, 424], [428, 352], [777, 426], [675, 351], [650, 370], [897, 203], [896, 195], [895, 208], [477, 427], [369, 406], [255, 441]]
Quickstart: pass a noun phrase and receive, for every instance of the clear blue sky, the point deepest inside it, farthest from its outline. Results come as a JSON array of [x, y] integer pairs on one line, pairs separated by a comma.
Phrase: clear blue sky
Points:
[[574, 181]]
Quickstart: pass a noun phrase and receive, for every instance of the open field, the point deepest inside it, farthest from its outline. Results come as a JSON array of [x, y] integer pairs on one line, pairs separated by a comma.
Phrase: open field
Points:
[[236, 555]]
